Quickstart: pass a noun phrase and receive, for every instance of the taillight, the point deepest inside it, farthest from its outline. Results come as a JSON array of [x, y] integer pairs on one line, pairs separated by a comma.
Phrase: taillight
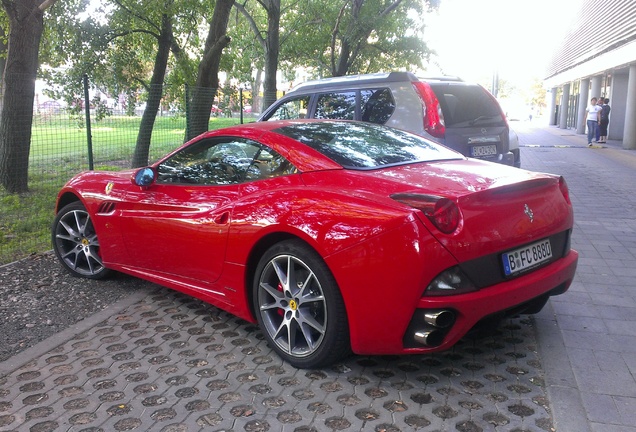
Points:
[[433, 116], [564, 190], [442, 212]]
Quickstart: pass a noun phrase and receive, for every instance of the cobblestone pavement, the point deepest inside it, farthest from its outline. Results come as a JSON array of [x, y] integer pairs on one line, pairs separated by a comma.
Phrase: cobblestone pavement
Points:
[[171, 363], [160, 361]]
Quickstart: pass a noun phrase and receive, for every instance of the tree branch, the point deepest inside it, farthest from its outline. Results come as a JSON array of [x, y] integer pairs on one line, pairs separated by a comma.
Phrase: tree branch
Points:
[[114, 36], [252, 23], [334, 35], [46, 4], [136, 15]]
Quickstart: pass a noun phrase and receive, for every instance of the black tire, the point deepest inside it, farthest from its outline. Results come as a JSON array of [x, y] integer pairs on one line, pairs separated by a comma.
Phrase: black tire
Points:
[[75, 242], [299, 306]]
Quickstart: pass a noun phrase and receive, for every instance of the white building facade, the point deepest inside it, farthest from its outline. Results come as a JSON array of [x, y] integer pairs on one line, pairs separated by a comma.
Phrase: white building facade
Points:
[[597, 58]]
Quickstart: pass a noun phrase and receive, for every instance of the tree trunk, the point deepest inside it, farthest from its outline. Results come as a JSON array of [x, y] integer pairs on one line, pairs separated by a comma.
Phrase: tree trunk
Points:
[[26, 24], [202, 95], [3, 59], [155, 92], [271, 53], [343, 61], [256, 92]]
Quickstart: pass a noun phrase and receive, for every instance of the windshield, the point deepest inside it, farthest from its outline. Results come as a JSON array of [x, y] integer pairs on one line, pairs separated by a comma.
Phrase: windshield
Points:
[[365, 145]]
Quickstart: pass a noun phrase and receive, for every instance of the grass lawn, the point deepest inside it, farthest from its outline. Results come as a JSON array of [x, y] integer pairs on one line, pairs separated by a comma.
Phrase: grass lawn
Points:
[[59, 151]]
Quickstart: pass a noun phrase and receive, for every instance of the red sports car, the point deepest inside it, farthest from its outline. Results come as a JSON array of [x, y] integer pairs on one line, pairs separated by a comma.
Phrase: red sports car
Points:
[[334, 236]]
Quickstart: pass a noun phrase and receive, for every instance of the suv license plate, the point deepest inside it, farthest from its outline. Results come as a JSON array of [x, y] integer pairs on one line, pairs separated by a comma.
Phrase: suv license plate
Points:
[[481, 151], [526, 257]]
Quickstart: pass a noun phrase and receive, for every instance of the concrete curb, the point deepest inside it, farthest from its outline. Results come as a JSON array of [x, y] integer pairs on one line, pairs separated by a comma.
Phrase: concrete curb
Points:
[[564, 395]]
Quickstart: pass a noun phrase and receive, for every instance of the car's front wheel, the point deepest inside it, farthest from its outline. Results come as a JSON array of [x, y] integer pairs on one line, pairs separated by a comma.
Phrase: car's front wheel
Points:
[[299, 306], [75, 242]]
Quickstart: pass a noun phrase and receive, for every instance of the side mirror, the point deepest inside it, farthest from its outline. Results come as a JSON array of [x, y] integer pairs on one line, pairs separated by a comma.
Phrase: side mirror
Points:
[[144, 177]]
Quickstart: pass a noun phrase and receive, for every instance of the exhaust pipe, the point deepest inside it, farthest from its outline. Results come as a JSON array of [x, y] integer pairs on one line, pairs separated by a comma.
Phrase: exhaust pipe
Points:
[[431, 337], [440, 319]]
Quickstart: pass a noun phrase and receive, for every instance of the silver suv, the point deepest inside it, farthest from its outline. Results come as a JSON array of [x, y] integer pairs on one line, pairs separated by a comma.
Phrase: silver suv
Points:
[[460, 115]]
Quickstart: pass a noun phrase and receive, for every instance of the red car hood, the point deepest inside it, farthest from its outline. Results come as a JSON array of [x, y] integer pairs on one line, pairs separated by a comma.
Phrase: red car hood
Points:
[[502, 207]]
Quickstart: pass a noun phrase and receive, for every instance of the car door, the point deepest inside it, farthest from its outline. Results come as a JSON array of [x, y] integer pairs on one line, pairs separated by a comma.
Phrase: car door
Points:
[[178, 226]]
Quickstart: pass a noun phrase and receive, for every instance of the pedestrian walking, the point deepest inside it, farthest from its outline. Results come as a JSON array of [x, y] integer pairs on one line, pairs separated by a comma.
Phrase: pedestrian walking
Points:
[[598, 129], [593, 116], [604, 121]]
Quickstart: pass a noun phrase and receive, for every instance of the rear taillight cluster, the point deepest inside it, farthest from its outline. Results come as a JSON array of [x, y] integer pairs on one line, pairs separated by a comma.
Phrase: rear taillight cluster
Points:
[[564, 190], [433, 116], [442, 212]]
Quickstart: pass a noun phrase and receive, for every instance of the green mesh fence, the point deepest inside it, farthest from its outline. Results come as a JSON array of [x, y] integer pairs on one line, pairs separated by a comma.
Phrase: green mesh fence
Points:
[[60, 149]]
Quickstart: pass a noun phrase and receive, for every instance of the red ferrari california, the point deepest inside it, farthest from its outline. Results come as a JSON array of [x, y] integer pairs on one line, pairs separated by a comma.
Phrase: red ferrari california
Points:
[[335, 236]]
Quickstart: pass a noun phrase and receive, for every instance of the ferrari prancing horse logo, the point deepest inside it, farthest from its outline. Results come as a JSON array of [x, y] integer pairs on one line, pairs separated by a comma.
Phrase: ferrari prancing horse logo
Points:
[[528, 212]]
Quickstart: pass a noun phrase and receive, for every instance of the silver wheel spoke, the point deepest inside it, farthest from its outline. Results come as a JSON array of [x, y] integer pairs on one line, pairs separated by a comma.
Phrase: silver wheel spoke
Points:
[[68, 229], [291, 336], [282, 275], [65, 237], [278, 297], [81, 228], [310, 321]]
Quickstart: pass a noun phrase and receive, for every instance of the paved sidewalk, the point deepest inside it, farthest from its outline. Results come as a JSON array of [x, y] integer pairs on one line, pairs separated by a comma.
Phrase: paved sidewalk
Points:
[[590, 362]]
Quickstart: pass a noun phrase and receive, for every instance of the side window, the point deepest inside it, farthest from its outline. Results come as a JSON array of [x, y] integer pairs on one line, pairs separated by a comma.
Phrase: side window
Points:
[[377, 105], [210, 162], [267, 164], [291, 109], [336, 106]]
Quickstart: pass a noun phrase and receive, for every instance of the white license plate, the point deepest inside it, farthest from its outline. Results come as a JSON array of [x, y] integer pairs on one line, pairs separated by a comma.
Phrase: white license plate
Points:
[[481, 151], [526, 257]]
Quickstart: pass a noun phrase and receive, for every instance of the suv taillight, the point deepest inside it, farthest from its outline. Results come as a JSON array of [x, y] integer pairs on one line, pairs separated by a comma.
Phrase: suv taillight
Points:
[[433, 116]]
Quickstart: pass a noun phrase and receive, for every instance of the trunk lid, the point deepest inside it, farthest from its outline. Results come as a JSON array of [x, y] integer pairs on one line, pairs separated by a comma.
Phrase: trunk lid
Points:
[[502, 207]]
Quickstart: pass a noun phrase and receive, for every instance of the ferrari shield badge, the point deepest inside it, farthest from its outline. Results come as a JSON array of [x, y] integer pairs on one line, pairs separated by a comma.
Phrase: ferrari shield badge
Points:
[[109, 188]]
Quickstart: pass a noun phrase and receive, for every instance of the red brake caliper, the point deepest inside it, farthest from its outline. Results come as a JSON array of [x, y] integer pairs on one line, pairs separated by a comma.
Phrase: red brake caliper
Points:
[[281, 312]]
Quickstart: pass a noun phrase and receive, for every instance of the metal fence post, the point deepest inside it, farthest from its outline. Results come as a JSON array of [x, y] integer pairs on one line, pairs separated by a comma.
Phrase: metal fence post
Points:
[[87, 110], [187, 111], [241, 103]]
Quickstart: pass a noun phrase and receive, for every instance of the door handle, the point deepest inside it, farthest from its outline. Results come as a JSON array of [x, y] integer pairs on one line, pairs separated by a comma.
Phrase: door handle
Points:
[[222, 218]]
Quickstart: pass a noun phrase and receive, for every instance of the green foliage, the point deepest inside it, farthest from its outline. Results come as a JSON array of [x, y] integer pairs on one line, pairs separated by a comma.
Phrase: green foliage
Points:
[[377, 42], [115, 43]]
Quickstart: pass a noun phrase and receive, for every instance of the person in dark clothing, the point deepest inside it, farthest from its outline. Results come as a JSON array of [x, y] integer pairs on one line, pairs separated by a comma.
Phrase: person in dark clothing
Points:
[[602, 126]]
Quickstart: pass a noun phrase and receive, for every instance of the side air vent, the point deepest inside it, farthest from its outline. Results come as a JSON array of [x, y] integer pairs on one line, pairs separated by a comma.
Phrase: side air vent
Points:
[[106, 207]]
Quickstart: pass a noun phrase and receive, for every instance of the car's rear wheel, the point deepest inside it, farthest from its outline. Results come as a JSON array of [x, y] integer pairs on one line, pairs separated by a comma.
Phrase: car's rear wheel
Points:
[[75, 242], [299, 306]]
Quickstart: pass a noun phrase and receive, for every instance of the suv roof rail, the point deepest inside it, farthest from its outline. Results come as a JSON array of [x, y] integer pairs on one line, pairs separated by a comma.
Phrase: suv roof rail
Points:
[[440, 78], [357, 79]]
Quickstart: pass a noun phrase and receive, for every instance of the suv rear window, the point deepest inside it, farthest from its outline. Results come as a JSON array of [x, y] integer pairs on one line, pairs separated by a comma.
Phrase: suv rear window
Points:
[[377, 105], [365, 145], [467, 105]]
